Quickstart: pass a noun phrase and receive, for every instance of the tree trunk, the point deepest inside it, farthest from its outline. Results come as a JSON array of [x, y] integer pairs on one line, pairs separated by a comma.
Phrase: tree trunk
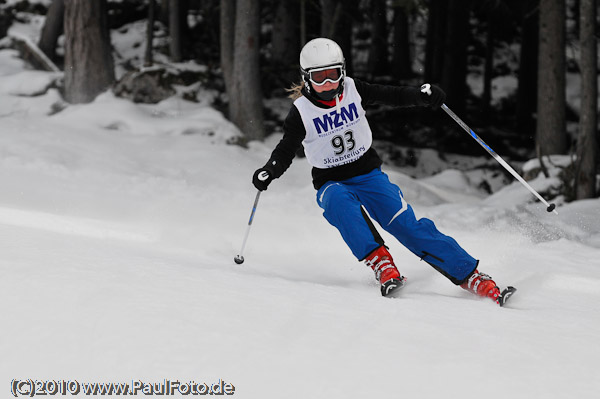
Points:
[[285, 39], [587, 144], [528, 73], [311, 20], [302, 22], [148, 57], [342, 34], [53, 28], [245, 101], [454, 74], [488, 72], [401, 60], [378, 51], [176, 30], [89, 66], [163, 15], [227, 34], [434, 47], [328, 17], [551, 129]]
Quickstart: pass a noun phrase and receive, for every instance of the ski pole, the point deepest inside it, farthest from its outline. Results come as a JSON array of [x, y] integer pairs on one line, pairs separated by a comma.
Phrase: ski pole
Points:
[[549, 207], [239, 259]]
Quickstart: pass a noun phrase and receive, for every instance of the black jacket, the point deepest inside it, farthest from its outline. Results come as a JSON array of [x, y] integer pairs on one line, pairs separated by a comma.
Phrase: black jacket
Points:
[[294, 133]]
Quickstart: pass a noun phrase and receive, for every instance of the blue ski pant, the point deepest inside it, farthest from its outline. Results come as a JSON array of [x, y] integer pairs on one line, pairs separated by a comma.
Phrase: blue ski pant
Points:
[[342, 203]]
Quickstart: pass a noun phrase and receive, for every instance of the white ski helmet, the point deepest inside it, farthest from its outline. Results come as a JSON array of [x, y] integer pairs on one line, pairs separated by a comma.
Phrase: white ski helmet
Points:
[[320, 54]]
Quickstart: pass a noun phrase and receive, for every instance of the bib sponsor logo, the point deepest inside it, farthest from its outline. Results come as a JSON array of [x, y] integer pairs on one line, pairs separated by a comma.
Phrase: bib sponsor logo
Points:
[[335, 120], [343, 159]]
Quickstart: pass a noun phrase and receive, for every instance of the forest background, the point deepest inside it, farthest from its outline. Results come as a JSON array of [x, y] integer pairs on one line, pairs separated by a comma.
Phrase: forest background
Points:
[[522, 73]]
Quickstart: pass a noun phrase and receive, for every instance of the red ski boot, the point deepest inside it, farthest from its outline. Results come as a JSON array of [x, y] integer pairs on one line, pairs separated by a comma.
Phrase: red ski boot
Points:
[[386, 273], [481, 284]]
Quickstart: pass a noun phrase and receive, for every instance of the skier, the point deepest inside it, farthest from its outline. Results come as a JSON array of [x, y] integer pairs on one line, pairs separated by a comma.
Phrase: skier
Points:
[[328, 119]]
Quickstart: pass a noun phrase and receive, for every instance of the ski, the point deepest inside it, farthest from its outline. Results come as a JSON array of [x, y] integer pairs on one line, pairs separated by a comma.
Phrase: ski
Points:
[[505, 295], [391, 287]]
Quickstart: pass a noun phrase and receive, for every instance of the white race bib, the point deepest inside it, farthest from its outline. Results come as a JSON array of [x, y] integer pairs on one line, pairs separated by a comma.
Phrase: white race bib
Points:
[[335, 138]]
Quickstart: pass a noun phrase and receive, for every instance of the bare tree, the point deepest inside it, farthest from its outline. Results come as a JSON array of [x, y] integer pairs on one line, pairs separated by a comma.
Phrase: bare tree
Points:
[[89, 68], [587, 144], [148, 56], [245, 98], [302, 22], [336, 23], [227, 35], [488, 70], [527, 89], [551, 129], [495, 12], [176, 30], [401, 58], [53, 28], [330, 15], [454, 73], [436, 32], [378, 52], [285, 38], [163, 14]]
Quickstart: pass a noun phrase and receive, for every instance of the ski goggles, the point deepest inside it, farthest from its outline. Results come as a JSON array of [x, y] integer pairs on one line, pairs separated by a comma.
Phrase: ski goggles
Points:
[[320, 76]]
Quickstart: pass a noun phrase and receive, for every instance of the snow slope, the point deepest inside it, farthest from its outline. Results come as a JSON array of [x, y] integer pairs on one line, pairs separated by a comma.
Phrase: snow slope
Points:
[[118, 228]]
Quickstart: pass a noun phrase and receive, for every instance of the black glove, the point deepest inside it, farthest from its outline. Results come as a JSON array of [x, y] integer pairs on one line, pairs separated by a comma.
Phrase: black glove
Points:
[[432, 95], [262, 178]]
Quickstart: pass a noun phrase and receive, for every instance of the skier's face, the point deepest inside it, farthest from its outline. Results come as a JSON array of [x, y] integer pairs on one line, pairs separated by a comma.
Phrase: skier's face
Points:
[[326, 87]]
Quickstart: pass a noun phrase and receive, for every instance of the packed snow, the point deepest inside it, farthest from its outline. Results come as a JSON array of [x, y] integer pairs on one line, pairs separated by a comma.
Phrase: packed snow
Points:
[[119, 223]]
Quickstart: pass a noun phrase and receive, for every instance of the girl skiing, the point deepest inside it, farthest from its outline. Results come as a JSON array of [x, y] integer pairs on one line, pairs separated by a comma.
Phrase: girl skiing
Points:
[[328, 119]]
